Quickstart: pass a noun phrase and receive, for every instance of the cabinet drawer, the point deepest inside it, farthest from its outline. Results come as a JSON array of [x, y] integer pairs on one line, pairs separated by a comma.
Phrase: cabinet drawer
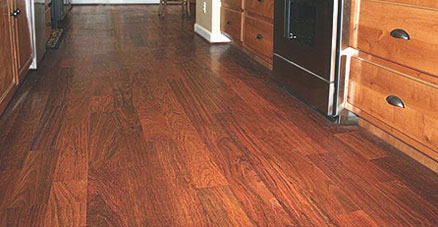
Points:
[[233, 4], [258, 36], [371, 86], [264, 8], [231, 23], [423, 3], [378, 19]]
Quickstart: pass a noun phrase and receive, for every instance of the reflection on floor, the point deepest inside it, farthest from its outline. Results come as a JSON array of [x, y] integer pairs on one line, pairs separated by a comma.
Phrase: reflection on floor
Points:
[[136, 121]]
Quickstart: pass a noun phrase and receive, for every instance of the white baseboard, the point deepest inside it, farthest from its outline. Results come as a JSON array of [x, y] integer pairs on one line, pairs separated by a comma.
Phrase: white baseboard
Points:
[[211, 37], [78, 2]]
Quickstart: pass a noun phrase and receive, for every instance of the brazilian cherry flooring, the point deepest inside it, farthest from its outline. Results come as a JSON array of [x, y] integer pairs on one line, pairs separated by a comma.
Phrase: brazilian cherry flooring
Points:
[[137, 121]]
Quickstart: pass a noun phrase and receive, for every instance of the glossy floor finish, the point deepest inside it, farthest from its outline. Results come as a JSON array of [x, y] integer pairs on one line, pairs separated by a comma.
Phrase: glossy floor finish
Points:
[[136, 121]]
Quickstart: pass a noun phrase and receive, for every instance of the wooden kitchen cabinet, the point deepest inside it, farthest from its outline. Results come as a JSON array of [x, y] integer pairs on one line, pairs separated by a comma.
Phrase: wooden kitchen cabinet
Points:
[[249, 23], [15, 47], [7, 75], [393, 78], [23, 44], [232, 20], [417, 49], [261, 8], [258, 36]]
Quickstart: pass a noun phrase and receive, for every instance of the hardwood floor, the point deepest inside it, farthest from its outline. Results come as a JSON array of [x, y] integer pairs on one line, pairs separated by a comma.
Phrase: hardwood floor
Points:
[[137, 121]]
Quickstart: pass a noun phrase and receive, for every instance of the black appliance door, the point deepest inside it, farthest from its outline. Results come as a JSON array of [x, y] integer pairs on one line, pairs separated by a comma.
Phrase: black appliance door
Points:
[[303, 34]]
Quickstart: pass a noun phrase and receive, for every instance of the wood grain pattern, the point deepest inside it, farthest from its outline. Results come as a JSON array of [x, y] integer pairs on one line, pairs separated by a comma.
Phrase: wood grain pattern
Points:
[[143, 123], [297, 204], [23, 216], [255, 18], [31, 183], [231, 23], [8, 78], [23, 41], [259, 37], [261, 8], [165, 189], [387, 197], [397, 142], [67, 204], [233, 4], [220, 200], [368, 149], [259, 202], [369, 87], [414, 74], [72, 162], [421, 3], [109, 200], [375, 25]]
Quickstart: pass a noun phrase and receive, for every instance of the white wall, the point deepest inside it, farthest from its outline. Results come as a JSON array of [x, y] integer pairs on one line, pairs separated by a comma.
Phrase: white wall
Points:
[[208, 19]]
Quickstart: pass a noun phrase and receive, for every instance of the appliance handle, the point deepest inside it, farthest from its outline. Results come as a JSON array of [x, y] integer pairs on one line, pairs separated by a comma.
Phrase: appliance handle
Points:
[[286, 18], [288, 34]]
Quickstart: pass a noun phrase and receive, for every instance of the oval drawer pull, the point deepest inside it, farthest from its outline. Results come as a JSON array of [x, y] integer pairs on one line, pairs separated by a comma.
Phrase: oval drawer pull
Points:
[[228, 22], [261, 1], [259, 36], [395, 101], [400, 34]]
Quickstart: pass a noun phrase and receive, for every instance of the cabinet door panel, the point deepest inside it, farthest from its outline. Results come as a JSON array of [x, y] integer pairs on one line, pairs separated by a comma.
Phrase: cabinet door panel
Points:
[[23, 40], [258, 36], [7, 76]]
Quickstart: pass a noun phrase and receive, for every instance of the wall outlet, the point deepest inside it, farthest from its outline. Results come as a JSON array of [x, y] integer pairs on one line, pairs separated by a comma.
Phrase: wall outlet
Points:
[[204, 7]]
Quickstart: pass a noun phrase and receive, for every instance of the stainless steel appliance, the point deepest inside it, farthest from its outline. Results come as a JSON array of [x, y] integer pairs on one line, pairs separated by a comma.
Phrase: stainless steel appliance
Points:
[[39, 30], [60, 9], [306, 50]]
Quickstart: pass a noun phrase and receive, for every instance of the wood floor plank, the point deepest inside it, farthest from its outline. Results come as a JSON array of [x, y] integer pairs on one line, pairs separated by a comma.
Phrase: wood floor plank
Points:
[[102, 103], [228, 94], [49, 128], [356, 218], [164, 189], [137, 121], [150, 101], [284, 131], [375, 199], [24, 216], [103, 139], [109, 199], [72, 144], [169, 114], [23, 128], [67, 205], [222, 208], [124, 109], [407, 171], [261, 206], [8, 179], [298, 185], [32, 186], [360, 144]]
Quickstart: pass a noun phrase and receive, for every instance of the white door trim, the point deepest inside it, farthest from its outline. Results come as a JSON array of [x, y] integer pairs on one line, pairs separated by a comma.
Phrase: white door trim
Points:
[[212, 37]]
